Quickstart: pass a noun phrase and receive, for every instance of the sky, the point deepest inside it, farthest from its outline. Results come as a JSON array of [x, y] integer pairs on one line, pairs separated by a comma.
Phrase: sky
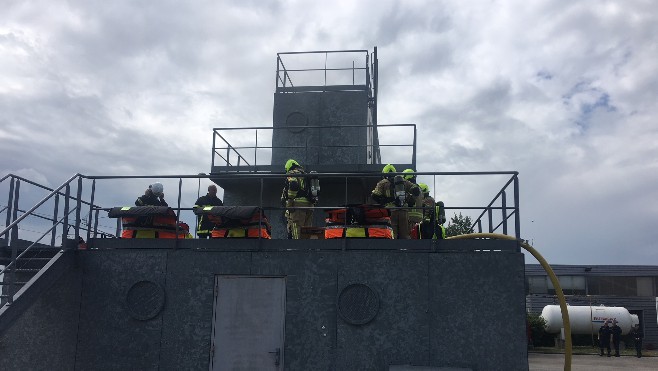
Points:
[[563, 92]]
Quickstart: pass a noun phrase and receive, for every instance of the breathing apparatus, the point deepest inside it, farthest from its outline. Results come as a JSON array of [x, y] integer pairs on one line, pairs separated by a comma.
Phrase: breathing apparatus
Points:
[[315, 184], [400, 193]]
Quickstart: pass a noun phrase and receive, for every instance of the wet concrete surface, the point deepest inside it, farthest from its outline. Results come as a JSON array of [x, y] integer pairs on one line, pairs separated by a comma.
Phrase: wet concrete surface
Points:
[[555, 362]]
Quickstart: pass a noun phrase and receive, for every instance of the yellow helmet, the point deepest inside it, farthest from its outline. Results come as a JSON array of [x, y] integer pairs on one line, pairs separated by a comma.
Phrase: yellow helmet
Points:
[[411, 174], [389, 169], [424, 188], [290, 163]]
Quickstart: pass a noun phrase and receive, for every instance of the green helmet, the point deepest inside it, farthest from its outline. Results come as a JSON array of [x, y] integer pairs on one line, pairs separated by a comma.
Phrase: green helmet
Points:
[[290, 163], [389, 169], [424, 188], [411, 174]]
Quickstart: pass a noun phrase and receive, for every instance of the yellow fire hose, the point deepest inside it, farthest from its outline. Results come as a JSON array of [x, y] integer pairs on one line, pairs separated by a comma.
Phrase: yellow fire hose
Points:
[[554, 280]]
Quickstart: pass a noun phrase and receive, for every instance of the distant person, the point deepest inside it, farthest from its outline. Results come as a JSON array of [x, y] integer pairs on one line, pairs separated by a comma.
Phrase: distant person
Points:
[[637, 335], [153, 196], [604, 338], [616, 337], [204, 226]]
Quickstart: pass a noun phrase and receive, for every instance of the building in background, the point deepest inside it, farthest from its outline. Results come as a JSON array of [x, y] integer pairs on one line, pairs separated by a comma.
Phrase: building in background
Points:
[[634, 287]]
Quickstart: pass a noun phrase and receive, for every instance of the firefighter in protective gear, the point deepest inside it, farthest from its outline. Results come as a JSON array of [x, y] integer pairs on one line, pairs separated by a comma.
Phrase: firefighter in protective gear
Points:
[[297, 193], [204, 226], [433, 216], [415, 213], [153, 196], [392, 191]]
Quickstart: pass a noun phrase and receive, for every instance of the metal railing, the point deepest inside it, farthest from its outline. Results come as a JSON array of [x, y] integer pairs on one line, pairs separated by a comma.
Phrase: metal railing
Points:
[[247, 155], [356, 76], [498, 214]]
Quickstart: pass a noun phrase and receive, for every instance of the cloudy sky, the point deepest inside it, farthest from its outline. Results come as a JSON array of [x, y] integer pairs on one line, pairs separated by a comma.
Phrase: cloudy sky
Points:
[[564, 92]]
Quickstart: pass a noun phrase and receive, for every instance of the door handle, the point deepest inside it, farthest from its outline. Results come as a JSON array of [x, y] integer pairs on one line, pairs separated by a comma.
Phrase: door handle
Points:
[[277, 356]]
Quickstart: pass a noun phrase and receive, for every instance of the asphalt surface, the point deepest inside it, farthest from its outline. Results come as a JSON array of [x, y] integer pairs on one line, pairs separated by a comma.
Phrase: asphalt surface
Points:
[[555, 362]]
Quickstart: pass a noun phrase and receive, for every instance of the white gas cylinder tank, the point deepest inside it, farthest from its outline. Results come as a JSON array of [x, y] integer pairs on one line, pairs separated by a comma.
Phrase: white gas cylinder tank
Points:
[[587, 319]]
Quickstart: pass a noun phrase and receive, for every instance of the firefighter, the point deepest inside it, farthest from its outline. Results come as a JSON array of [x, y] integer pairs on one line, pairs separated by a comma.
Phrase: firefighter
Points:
[[392, 191], [415, 213], [153, 196], [433, 216], [204, 226], [297, 193]]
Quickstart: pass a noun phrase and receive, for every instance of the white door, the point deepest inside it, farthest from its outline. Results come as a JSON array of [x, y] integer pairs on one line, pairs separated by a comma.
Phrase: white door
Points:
[[248, 323]]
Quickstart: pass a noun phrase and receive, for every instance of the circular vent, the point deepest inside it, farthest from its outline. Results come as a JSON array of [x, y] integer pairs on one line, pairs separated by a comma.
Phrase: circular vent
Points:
[[145, 299], [296, 119], [358, 304]]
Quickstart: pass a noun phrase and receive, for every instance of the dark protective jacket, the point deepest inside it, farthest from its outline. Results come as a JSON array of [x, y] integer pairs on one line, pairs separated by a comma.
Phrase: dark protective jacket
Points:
[[637, 334], [616, 333], [203, 224], [384, 192], [297, 189], [149, 199], [604, 335]]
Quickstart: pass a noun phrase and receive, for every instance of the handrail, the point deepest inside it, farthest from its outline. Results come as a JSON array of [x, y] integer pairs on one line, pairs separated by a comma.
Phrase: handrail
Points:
[[38, 185], [61, 220], [375, 147], [19, 219], [509, 211]]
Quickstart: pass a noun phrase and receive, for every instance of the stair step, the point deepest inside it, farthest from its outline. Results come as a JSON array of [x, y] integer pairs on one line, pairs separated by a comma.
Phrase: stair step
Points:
[[27, 270], [24, 258]]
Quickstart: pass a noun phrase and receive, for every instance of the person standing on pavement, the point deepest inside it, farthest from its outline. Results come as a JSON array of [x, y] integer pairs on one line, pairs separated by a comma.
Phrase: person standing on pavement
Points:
[[604, 338], [637, 335], [616, 336]]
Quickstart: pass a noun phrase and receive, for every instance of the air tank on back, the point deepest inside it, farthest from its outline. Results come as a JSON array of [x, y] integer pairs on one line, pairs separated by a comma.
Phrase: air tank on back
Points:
[[587, 319]]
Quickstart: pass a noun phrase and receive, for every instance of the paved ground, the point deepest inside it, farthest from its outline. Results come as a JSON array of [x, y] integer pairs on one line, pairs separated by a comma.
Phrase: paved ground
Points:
[[555, 362]]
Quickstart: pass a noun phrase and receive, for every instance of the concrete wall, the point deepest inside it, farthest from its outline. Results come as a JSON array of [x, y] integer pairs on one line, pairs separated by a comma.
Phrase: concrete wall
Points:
[[320, 109], [444, 305]]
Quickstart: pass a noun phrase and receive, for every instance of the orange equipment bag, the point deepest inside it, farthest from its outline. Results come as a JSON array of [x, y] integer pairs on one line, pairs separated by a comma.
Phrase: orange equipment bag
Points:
[[147, 222], [358, 221]]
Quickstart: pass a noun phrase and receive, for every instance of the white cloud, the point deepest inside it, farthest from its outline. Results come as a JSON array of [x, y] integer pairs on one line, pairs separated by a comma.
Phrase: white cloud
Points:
[[564, 92]]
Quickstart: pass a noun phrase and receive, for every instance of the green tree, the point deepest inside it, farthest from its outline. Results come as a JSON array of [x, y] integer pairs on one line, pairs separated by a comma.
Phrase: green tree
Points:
[[537, 327], [459, 224]]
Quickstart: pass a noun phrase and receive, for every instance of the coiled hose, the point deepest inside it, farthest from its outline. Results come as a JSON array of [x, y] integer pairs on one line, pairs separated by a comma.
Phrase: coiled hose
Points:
[[556, 284]]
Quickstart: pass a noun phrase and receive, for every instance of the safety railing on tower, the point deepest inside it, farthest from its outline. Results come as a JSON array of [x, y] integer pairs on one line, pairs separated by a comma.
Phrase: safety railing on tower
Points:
[[250, 149], [74, 223]]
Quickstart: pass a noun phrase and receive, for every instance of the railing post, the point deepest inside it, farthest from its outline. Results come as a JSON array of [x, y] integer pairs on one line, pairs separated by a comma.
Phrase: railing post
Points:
[[180, 188], [212, 156], [96, 222], [78, 206], [479, 225], [517, 217], [91, 208], [9, 208], [65, 223], [490, 216], [256, 150], [55, 214], [118, 230], [503, 198], [13, 243], [14, 212]]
